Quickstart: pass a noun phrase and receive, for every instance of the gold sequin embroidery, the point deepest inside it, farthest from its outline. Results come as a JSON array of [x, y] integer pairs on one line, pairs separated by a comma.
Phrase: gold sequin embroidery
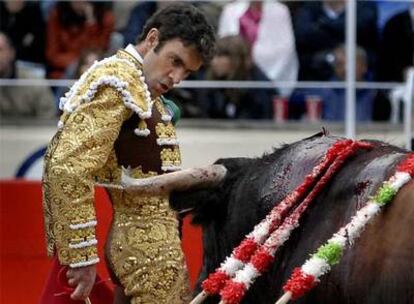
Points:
[[165, 131], [171, 157], [146, 251]]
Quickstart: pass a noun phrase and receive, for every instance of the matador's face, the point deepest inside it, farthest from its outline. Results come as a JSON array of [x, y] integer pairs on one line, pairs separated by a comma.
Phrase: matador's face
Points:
[[167, 65]]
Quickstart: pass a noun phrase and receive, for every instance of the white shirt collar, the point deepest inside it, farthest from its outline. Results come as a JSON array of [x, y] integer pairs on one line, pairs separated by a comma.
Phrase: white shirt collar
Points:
[[133, 51]]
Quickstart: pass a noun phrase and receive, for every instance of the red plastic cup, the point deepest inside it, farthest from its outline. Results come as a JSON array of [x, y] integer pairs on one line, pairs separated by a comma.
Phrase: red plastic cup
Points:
[[313, 108], [280, 109]]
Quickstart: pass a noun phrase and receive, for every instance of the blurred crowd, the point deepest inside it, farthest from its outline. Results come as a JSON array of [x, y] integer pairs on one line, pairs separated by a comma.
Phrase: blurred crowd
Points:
[[284, 41]]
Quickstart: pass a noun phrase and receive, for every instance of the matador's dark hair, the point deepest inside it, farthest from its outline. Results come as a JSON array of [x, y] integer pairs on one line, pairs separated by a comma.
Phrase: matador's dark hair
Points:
[[185, 22]]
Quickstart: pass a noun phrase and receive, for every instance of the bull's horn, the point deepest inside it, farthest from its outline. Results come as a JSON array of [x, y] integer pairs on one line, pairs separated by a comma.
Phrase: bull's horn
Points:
[[180, 180]]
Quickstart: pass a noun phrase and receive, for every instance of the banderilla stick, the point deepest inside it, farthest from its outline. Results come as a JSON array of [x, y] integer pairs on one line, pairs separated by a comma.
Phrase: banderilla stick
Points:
[[199, 298], [285, 298]]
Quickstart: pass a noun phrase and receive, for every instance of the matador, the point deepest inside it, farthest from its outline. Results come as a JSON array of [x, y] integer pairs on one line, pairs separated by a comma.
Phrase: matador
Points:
[[114, 117]]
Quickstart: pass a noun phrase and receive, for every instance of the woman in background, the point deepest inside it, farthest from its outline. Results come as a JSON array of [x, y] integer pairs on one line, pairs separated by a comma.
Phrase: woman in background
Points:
[[232, 61]]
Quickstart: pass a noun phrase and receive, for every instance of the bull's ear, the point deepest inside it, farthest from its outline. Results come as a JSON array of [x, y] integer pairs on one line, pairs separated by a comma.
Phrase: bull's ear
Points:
[[234, 165], [186, 201], [209, 204], [203, 204]]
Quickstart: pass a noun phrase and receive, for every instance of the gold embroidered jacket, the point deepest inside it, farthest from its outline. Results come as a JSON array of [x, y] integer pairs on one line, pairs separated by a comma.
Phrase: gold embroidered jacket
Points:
[[109, 108]]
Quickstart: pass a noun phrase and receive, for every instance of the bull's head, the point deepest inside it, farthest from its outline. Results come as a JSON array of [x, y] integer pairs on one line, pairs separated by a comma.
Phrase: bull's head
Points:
[[209, 201]]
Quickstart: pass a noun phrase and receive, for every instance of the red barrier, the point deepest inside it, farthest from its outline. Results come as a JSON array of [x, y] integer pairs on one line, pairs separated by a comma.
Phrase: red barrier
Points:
[[24, 265]]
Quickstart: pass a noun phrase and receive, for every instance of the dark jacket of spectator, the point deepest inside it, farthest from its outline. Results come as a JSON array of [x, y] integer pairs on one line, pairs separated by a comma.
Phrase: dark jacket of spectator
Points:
[[388, 9], [396, 48], [23, 23], [139, 15], [317, 34]]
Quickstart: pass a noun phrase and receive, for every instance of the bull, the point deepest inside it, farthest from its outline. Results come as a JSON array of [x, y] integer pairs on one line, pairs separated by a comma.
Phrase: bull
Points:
[[378, 269]]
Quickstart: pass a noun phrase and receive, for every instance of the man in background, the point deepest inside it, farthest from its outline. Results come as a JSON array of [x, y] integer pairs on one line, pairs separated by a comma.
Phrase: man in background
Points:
[[17, 102]]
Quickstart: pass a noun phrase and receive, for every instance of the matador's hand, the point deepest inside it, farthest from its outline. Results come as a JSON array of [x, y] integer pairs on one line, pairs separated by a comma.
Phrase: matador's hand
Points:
[[82, 279]]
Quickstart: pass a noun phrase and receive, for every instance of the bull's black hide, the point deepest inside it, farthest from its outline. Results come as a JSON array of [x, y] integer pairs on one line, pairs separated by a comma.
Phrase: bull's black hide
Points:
[[379, 269]]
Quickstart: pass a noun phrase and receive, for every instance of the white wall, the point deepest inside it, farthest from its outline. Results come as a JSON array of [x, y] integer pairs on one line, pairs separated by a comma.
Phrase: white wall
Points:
[[199, 146]]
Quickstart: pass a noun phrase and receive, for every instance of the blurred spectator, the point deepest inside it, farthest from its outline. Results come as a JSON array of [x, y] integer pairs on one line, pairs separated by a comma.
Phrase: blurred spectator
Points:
[[122, 12], [23, 22], [76, 69], [21, 101], [74, 26], [212, 10], [46, 6], [320, 26], [333, 100], [139, 15], [233, 62], [396, 52], [387, 9], [267, 28], [86, 60], [396, 55]]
